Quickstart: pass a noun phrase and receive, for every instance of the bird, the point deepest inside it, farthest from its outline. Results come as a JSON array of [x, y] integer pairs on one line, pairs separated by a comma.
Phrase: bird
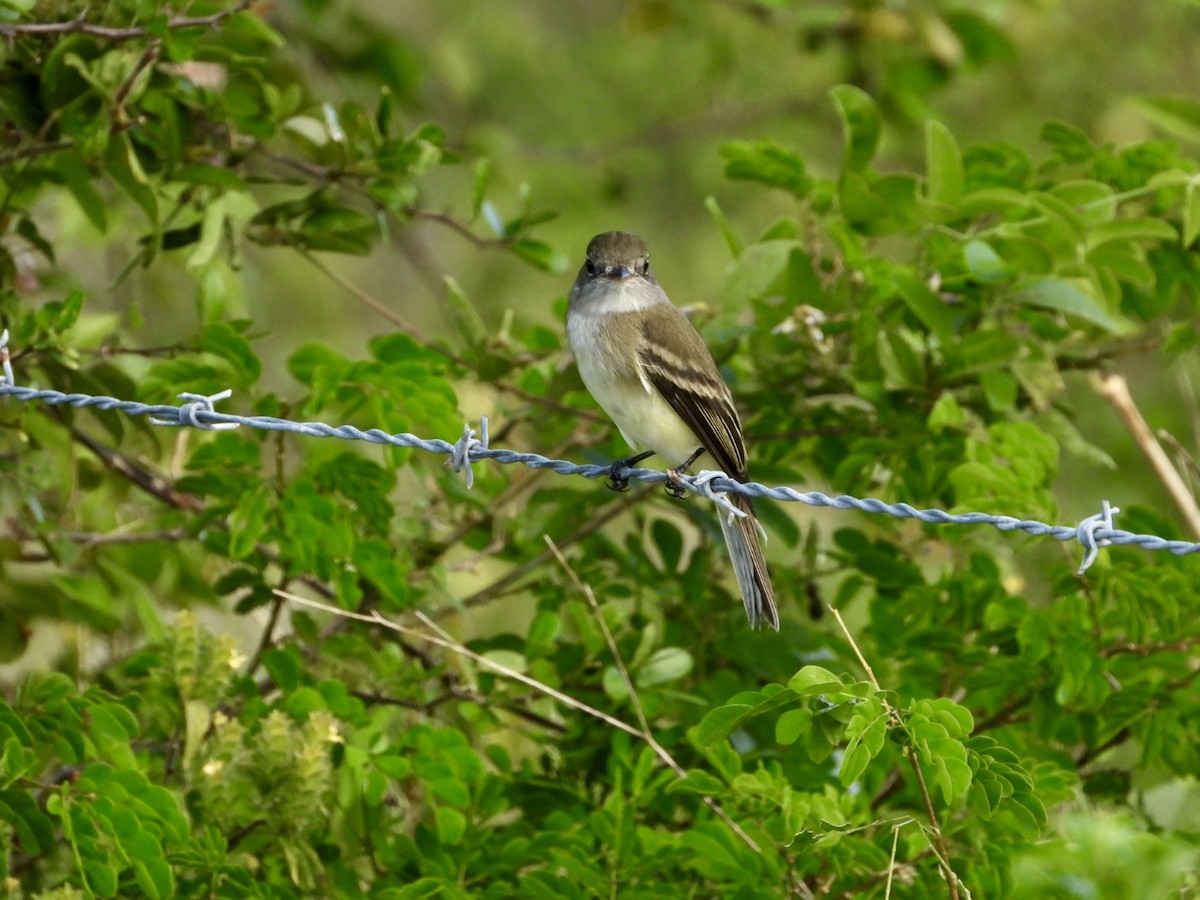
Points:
[[648, 368]]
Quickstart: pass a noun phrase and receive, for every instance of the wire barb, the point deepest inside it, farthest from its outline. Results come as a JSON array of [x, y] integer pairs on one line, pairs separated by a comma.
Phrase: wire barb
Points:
[[460, 455], [701, 483], [189, 413], [1101, 521]]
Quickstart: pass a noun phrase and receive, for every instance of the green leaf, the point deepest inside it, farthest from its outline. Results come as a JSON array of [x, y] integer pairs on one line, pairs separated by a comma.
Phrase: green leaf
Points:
[[943, 165], [212, 230], [1062, 218], [766, 162], [697, 781], [154, 876], [791, 724], [1002, 200], [451, 825], [1071, 144], [719, 723], [34, 830], [1073, 297], [123, 167], [76, 175], [248, 521], [481, 176], [1191, 212], [861, 126], [758, 272], [984, 263], [664, 666], [470, 327], [541, 255], [946, 413], [927, 306], [669, 541], [211, 176], [222, 339], [732, 241], [814, 680], [1141, 228], [1176, 115]]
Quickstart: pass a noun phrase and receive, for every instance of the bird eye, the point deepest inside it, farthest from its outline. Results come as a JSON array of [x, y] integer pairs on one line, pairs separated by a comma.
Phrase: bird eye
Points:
[[644, 267], [591, 268]]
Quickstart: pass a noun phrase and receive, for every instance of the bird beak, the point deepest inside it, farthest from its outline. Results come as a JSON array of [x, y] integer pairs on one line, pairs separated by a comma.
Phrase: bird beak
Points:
[[618, 272]]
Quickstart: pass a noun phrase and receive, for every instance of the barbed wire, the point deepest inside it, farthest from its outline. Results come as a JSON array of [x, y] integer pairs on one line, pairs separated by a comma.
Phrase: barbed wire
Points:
[[198, 411]]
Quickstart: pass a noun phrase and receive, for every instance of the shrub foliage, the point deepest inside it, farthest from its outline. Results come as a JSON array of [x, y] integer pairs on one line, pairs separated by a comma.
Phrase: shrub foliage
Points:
[[975, 719]]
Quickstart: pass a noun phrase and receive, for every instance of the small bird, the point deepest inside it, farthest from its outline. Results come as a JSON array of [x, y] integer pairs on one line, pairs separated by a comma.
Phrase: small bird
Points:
[[649, 369]]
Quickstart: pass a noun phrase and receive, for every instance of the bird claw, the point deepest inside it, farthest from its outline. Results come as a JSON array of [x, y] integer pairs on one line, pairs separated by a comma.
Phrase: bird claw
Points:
[[673, 488], [615, 482]]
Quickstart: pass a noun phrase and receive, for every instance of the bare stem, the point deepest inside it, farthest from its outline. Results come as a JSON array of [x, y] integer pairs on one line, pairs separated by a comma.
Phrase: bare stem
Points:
[[441, 638], [1115, 390], [939, 839], [81, 26]]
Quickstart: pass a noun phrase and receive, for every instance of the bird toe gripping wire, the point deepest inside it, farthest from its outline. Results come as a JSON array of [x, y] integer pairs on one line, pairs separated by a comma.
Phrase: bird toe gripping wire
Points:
[[460, 456], [189, 411], [1086, 532]]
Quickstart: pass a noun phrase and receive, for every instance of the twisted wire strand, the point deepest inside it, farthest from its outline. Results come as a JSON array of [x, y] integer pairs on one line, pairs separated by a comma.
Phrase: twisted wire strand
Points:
[[197, 411]]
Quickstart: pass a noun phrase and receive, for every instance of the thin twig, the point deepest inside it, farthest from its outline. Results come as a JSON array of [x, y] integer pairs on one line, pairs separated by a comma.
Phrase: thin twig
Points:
[[81, 26], [1115, 390], [647, 735], [887, 891], [1151, 647], [589, 594], [35, 150], [497, 588], [266, 638], [480, 243], [442, 638], [380, 309], [149, 55], [939, 839]]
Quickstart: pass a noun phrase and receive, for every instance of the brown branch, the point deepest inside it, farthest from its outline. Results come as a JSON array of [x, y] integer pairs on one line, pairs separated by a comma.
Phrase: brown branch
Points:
[[154, 484], [456, 693], [266, 639], [332, 174], [35, 150], [149, 55], [1115, 389], [1151, 647], [480, 243], [81, 26]]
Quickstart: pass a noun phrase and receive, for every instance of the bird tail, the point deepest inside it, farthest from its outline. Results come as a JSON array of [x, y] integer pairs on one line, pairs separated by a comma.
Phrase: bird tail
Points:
[[749, 565]]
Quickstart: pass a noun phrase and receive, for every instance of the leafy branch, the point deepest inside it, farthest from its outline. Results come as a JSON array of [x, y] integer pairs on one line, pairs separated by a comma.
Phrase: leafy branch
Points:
[[82, 26]]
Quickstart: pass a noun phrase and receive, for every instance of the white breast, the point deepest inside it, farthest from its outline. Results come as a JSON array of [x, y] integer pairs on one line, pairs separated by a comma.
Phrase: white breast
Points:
[[645, 419]]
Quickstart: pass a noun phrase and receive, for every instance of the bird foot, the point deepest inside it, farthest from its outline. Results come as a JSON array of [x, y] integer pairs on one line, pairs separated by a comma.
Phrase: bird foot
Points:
[[614, 482], [673, 488]]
